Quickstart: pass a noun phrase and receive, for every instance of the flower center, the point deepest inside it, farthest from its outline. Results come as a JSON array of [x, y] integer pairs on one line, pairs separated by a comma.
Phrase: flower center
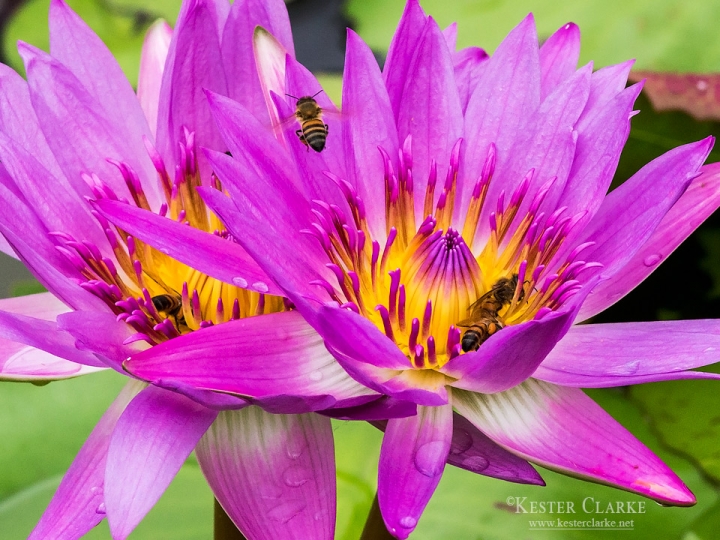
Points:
[[422, 285], [158, 296]]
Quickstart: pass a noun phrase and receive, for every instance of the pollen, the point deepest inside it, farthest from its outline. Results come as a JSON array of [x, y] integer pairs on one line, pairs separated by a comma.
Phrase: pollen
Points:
[[431, 280], [159, 297]]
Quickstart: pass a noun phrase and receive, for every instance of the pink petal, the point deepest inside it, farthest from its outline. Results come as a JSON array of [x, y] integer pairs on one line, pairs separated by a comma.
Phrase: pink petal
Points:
[[239, 55], [602, 355], [20, 123], [46, 194], [259, 357], [474, 451], [429, 111], [559, 57], [78, 504], [152, 439], [43, 335], [193, 65], [469, 66], [412, 459], [564, 430], [400, 53], [152, 66], [369, 124], [700, 200], [547, 145], [274, 475], [602, 134], [81, 51], [68, 111], [100, 333], [270, 58], [505, 97]]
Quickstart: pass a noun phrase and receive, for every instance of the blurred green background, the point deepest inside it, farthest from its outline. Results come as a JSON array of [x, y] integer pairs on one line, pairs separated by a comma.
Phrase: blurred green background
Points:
[[41, 428]]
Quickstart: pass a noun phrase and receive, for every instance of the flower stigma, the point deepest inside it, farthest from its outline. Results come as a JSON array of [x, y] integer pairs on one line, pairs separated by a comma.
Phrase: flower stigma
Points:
[[423, 285]]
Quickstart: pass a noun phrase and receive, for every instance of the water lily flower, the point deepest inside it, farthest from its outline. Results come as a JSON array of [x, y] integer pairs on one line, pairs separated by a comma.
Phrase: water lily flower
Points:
[[76, 133], [450, 239]]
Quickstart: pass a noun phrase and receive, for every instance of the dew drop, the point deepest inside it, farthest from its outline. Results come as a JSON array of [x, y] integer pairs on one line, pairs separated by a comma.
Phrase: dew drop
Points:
[[100, 509], [475, 463], [316, 376], [261, 287], [295, 476], [701, 85], [319, 515], [461, 442], [709, 349], [652, 260], [408, 522], [285, 511], [166, 251], [295, 448], [240, 282], [428, 458]]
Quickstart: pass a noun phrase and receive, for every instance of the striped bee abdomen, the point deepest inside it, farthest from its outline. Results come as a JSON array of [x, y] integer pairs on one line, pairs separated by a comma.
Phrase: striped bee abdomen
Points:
[[314, 134]]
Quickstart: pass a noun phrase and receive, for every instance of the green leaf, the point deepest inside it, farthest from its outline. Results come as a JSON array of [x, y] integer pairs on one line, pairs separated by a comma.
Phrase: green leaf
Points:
[[661, 35]]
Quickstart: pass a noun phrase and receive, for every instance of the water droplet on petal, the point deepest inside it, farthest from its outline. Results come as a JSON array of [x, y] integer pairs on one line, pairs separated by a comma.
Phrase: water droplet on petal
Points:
[[295, 476], [709, 349], [652, 260], [295, 448], [261, 287], [240, 282], [319, 515], [100, 509], [475, 463], [408, 522], [429, 458], [461, 442], [166, 251], [701, 85], [285, 511], [316, 376]]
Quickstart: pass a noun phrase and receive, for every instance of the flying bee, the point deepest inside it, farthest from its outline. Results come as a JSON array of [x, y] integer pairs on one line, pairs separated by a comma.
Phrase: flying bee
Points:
[[170, 305], [313, 131], [484, 320]]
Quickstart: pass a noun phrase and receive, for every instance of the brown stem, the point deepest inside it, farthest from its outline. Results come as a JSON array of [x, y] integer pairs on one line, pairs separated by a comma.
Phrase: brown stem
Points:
[[225, 529], [374, 525]]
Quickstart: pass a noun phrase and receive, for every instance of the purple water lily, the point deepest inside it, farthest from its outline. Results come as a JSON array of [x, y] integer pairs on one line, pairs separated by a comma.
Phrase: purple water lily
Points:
[[76, 133], [449, 239]]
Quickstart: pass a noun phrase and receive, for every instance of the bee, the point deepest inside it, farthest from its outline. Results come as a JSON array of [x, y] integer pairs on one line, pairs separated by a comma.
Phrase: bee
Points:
[[484, 320], [170, 305], [313, 131]]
